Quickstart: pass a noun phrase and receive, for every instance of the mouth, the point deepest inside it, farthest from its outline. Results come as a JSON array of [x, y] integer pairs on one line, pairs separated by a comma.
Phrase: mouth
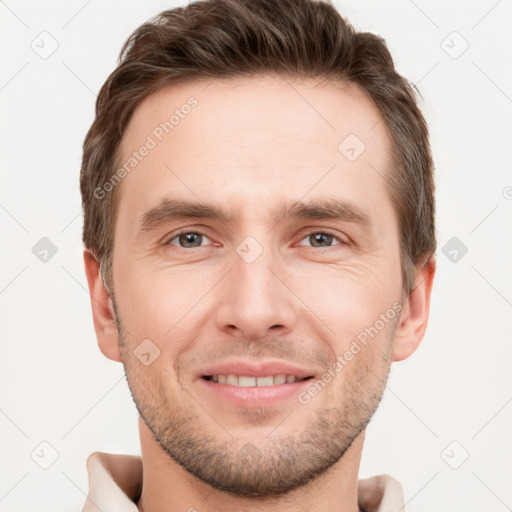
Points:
[[248, 381], [250, 384]]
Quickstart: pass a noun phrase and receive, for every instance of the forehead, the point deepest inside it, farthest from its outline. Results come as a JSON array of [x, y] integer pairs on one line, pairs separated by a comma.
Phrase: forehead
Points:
[[245, 139]]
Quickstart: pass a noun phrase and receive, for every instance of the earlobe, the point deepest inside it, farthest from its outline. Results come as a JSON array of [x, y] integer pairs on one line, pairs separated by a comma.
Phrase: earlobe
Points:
[[102, 309], [414, 318]]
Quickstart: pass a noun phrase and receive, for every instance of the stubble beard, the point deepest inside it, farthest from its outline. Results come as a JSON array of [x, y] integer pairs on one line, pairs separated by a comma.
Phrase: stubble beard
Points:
[[270, 466]]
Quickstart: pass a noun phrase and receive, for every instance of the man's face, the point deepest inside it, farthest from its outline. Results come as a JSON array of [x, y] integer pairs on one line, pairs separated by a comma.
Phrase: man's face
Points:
[[279, 288]]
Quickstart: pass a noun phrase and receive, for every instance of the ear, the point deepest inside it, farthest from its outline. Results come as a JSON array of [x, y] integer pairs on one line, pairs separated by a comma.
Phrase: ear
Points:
[[414, 316], [102, 309]]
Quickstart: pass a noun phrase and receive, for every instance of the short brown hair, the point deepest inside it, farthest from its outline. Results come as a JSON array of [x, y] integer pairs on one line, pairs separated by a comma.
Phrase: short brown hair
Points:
[[244, 38]]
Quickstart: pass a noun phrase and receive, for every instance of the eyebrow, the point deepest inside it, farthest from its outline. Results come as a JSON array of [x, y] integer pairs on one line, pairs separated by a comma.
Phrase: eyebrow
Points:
[[328, 208], [171, 209], [336, 209]]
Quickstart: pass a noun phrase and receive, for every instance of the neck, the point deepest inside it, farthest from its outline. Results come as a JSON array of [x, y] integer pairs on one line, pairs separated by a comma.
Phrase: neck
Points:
[[168, 487]]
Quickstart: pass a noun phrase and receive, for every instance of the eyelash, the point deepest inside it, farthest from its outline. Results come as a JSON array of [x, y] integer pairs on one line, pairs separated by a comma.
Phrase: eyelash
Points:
[[312, 232]]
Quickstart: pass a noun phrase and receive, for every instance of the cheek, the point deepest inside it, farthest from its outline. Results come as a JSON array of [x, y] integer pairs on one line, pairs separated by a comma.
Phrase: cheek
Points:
[[162, 306], [347, 299]]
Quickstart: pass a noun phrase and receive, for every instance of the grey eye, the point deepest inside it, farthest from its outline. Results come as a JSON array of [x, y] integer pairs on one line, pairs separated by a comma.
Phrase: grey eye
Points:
[[189, 239]]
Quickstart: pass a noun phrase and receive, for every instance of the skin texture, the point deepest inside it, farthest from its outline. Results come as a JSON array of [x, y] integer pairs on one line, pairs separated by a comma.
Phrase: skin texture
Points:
[[249, 146]]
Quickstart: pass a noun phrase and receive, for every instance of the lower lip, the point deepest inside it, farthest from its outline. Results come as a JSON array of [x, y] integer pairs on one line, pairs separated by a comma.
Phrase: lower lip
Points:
[[255, 396]]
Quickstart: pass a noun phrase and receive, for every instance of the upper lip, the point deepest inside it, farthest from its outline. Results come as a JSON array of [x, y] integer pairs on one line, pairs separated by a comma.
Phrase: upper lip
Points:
[[256, 369]]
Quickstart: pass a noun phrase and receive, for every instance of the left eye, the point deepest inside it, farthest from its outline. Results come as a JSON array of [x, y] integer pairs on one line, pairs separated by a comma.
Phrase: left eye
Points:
[[187, 240], [318, 239]]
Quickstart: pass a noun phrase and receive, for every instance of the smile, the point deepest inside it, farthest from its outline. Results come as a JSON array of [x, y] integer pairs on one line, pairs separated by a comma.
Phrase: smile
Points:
[[245, 381]]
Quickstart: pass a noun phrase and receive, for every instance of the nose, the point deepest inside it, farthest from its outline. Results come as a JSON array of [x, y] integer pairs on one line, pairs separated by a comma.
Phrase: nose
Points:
[[255, 300]]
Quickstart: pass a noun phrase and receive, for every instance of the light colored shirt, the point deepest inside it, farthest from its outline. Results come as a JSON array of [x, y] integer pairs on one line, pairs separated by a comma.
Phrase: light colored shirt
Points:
[[115, 484]]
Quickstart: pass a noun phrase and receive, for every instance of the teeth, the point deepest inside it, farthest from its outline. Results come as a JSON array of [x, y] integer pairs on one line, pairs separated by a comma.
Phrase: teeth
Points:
[[265, 381], [232, 380], [279, 379], [244, 381]]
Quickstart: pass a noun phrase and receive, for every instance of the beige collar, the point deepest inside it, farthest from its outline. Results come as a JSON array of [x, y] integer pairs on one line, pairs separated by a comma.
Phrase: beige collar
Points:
[[115, 481]]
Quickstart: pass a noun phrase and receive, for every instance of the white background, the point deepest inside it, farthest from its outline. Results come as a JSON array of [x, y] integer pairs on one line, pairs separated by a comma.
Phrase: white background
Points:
[[56, 386]]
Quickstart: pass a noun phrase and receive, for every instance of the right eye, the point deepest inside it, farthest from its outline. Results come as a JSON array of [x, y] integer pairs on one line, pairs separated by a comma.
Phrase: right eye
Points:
[[188, 239]]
